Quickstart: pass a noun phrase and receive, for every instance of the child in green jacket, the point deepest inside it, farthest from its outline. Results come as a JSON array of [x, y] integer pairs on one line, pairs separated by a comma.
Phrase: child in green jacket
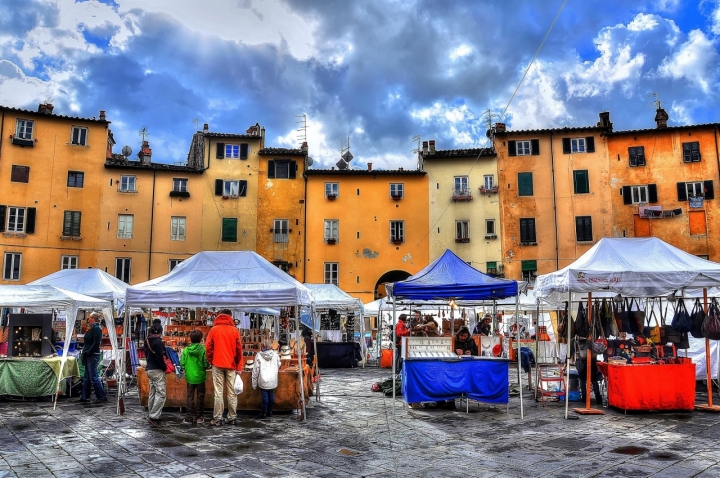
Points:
[[194, 363]]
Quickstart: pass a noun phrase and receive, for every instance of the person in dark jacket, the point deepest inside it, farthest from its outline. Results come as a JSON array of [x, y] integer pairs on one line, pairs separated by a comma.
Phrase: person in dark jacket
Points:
[[484, 327], [155, 369], [90, 359], [464, 344], [595, 376]]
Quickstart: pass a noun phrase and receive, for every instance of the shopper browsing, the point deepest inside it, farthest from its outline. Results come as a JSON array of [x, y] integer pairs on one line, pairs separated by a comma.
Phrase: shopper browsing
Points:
[[224, 352], [194, 362], [155, 368], [265, 375], [90, 359]]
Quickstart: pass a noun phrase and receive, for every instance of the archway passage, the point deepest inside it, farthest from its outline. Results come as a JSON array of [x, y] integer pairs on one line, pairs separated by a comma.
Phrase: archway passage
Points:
[[390, 276]]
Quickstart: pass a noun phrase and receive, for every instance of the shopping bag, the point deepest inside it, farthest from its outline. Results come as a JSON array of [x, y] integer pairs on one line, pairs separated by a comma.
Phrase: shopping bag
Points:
[[697, 316], [681, 320], [238, 385], [711, 325]]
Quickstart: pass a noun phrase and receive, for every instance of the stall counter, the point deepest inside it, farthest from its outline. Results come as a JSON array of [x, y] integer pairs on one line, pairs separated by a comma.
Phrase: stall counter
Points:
[[34, 377]]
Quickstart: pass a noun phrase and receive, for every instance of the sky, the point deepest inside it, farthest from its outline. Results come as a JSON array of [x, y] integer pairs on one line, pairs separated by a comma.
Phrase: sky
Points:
[[379, 72]]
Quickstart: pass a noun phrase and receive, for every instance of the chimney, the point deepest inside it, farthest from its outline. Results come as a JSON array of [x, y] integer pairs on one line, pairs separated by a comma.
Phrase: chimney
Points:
[[102, 115], [145, 153], [605, 121], [401, 169], [206, 128], [425, 148], [304, 147], [661, 118], [431, 146], [254, 129], [45, 108], [499, 127], [369, 166]]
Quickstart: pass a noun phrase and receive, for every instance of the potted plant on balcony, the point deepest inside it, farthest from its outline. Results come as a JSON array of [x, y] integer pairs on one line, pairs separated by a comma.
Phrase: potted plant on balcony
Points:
[[331, 196], [331, 240], [397, 241], [396, 197]]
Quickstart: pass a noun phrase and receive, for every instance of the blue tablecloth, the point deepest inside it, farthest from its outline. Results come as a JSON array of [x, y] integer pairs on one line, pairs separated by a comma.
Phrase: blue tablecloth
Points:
[[481, 379]]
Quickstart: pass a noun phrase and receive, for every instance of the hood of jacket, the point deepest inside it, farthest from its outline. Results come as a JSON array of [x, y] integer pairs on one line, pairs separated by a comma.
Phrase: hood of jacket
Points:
[[224, 319], [194, 350], [266, 354]]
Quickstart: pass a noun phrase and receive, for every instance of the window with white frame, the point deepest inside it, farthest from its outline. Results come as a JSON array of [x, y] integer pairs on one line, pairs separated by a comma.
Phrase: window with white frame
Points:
[[127, 184], [16, 219], [523, 148], [122, 268], [490, 226], [281, 231], [639, 194], [177, 228], [695, 189], [332, 230], [461, 185], [331, 273], [236, 151], [332, 190], [397, 231], [24, 129], [11, 266], [231, 188], [180, 185], [125, 226], [69, 262], [397, 190], [577, 145], [79, 135], [462, 230], [489, 181], [173, 263]]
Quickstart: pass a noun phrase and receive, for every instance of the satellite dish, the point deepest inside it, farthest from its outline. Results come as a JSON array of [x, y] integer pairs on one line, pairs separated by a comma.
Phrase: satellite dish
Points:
[[341, 165], [347, 157], [126, 151], [310, 161]]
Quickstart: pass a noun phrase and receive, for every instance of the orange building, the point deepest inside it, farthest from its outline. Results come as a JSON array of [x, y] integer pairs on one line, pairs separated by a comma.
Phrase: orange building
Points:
[[366, 228]]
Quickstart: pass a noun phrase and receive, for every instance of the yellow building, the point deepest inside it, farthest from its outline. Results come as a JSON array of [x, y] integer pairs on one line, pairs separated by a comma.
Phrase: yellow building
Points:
[[555, 199], [464, 205], [52, 176], [365, 228]]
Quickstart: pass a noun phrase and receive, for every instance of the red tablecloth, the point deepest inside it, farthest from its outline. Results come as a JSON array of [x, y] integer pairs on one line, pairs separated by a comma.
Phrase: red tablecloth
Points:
[[650, 387]]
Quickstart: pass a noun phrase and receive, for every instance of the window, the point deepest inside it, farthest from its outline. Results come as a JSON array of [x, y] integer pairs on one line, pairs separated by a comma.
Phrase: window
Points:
[[282, 169], [695, 189], [281, 230], [20, 174], [396, 190], [180, 185], [173, 263], [523, 148], [691, 152], [125, 226], [529, 272], [581, 182], [461, 185], [69, 262], [331, 190], [397, 231], [583, 229], [24, 129], [229, 229], [332, 230], [525, 184], [71, 224], [127, 184], [490, 226], [16, 219], [331, 273], [236, 151], [177, 228], [122, 268], [462, 230], [527, 230], [11, 266], [489, 181], [636, 155], [79, 135], [228, 188], [491, 267], [578, 145], [640, 194], [75, 179]]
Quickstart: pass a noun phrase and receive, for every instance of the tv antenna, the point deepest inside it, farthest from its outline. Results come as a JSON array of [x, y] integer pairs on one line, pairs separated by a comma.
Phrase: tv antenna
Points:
[[49, 100], [144, 132], [302, 130], [345, 156], [489, 117], [416, 139], [196, 121], [655, 102]]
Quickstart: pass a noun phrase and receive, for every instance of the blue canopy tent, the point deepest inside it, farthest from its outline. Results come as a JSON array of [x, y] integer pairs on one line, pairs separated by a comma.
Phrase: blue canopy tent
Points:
[[449, 278]]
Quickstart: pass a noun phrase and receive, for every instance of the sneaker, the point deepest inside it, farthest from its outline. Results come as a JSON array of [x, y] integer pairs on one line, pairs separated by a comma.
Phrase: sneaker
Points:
[[200, 420], [187, 421], [216, 423], [154, 423], [230, 421]]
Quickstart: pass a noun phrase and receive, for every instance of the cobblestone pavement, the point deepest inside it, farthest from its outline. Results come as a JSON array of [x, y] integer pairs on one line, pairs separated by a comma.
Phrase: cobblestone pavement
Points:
[[354, 432]]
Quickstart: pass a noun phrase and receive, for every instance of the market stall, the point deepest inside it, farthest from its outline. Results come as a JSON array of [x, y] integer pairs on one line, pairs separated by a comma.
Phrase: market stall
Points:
[[449, 278], [35, 377], [234, 280], [634, 267]]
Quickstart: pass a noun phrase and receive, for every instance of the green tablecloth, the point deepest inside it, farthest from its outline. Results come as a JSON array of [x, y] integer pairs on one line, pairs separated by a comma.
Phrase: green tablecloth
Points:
[[34, 377]]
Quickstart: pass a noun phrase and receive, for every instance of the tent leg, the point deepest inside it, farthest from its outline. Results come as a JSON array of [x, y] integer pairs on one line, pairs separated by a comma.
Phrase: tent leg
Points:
[[301, 365], [708, 370], [519, 354], [316, 365], [395, 353], [567, 355], [588, 384]]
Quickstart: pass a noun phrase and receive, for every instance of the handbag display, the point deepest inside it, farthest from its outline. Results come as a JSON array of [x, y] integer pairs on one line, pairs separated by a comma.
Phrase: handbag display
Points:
[[636, 317], [681, 320], [625, 323], [653, 333], [697, 317], [562, 323], [711, 325], [684, 342], [581, 327]]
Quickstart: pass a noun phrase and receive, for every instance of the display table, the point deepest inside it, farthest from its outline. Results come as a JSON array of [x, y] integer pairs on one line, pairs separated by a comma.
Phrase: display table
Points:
[[287, 394], [484, 379], [34, 377], [650, 387], [338, 354]]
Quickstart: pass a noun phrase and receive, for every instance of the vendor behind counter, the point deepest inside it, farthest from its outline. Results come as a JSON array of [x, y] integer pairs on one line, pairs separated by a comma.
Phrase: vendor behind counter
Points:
[[464, 343]]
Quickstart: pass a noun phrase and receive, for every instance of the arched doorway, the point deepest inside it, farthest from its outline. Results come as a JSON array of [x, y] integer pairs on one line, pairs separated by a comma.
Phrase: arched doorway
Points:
[[390, 276]]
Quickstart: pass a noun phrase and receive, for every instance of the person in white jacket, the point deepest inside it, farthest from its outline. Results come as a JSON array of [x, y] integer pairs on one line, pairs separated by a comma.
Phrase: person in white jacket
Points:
[[265, 376]]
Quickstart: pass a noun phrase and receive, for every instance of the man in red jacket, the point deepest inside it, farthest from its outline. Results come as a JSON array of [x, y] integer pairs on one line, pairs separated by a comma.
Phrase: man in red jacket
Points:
[[224, 352]]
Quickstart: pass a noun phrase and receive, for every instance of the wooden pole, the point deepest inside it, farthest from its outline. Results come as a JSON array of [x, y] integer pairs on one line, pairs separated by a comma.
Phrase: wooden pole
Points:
[[708, 369], [588, 384]]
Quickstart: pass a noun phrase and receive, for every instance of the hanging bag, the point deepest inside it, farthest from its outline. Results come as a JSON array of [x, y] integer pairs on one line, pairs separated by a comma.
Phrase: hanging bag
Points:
[[581, 323], [636, 317], [625, 317], [600, 343], [697, 316], [653, 332], [618, 318], [681, 320], [562, 324], [711, 325]]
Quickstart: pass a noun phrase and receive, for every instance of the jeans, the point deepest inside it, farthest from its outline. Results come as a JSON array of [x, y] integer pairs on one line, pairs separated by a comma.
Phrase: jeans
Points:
[[224, 378], [156, 400], [195, 407], [268, 399], [90, 378]]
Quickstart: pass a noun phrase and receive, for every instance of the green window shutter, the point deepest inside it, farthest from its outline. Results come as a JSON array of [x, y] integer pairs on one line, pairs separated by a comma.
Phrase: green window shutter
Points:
[[67, 223], [512, 150], [3, 209], [492, 265], [525, 184], [529, 266], [229, 229], [243, 151], [581, 182], [535, 147]]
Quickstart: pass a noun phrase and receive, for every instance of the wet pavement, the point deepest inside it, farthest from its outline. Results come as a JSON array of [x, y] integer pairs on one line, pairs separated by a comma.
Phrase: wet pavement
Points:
[[355, 432]]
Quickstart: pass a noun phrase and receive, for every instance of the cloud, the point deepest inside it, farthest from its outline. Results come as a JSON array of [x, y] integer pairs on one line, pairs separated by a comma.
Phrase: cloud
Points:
[[696, 61]]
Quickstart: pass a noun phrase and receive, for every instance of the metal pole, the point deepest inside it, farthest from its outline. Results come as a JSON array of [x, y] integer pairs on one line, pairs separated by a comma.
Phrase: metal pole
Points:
[[316, 360], [301, 367], [588, 372], [708, 362], [519, 353], [121, 360], [567, 355], [394, 349]]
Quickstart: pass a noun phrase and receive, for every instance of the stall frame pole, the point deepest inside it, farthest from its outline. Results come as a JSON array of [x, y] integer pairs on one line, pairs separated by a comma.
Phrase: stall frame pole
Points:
[[519, 353], [588, 384], [316, 362], [394, 349], [122, 381], [567, 354], [708, 369], [301, 365]]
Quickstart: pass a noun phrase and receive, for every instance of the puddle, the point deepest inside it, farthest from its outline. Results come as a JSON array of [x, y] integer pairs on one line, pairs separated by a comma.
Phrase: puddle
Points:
[[664, 456], [23, 426], [40, 414], [629, 450], [166, 444], [185, 438], [347, 451], [251, 424], [188, 454], [222, 453]]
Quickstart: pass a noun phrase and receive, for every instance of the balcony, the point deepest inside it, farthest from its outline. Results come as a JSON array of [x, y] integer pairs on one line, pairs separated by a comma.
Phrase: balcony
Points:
[[461, 195], [396, 240], [462, 240], [331, 197], [22, 141], [179, 194], [396, 197], [490, 236], [489, 191], [330, 240], [126, 190]]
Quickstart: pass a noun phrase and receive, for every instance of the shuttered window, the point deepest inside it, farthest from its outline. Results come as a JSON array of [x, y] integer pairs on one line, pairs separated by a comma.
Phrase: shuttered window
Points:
[[525, 184], [691, 152], [71, 224], [583, 228], [20, 174], [229, 229], [636, 155], [527, 230], [581, 182]]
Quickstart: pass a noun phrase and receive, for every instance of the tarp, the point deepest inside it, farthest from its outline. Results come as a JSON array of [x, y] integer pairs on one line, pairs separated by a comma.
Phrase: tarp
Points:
[[91, 282], [449, 277], [221, 279], [330, 296], [633, 267]]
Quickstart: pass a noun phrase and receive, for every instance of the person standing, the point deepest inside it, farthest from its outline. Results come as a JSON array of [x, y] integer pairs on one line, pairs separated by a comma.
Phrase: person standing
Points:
[[224, 352], [90, 360], [194, 362], [401, 330], [155, 369], [265, 375]]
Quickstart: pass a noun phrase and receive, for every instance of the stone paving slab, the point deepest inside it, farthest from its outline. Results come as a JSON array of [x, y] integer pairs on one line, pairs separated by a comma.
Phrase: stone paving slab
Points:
[[352, 431]]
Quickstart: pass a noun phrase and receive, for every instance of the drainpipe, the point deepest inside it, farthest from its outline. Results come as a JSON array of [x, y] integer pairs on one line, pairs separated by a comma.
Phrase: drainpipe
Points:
[[552, 170], [2, 129], [305, 178], [152, 219]]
